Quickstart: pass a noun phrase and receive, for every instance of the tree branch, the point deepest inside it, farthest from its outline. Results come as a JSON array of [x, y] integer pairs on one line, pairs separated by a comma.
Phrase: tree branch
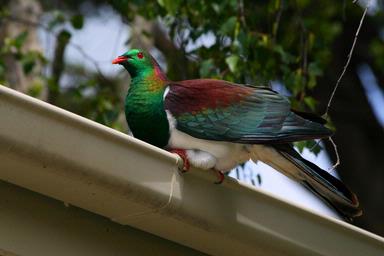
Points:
[[348, 60]]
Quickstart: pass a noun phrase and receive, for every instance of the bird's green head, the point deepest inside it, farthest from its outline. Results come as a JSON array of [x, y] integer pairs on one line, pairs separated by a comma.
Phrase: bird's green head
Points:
[[136, 61]]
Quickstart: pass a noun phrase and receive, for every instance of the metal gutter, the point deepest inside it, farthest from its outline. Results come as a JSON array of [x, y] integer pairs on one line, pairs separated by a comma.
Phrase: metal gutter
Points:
[[72, 159]]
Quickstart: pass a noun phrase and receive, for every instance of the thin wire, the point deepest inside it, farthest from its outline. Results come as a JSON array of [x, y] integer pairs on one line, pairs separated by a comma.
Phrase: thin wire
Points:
[[348, 59]]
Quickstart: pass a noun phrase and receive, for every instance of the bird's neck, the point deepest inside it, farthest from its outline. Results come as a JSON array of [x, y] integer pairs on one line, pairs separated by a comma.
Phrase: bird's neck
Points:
[[150, 79], [147, 88], [144, 107]]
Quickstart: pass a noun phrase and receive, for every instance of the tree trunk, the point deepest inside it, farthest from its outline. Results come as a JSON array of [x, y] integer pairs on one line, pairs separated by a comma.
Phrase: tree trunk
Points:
[[28, 10]]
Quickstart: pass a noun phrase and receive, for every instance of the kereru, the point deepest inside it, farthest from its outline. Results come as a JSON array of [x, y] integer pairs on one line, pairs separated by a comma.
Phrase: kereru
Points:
[[215, 124]]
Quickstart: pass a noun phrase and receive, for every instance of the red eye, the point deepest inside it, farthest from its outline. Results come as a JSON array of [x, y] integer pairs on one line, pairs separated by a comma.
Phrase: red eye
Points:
[[140, 55]]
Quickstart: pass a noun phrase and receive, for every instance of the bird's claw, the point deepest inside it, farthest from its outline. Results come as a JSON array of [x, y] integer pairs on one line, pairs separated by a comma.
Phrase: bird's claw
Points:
[[183, 155], [220, 175], [186, 165]]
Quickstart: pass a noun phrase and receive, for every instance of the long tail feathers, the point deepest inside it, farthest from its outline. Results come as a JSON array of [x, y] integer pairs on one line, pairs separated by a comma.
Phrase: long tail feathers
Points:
[[323, 184]]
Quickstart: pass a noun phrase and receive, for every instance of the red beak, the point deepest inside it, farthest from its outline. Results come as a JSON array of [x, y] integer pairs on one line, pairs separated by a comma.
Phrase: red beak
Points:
[[119, 60]]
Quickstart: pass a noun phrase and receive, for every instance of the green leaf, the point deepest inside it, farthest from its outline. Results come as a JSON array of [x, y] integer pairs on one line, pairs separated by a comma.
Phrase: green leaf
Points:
[[58, 17], [36, 89], [77, 21], [19, 40], [216, 7], [170, 5], [310, 102], [232, 62], [28, 62], [64, 36], [376, 49], [312, 145], [316, 149], [229, 26], [286, 57], [300, 145], [314, 68], [206, 68]]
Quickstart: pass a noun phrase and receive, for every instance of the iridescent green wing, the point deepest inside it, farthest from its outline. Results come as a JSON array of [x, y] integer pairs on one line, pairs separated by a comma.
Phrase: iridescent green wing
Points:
[[222, 111]]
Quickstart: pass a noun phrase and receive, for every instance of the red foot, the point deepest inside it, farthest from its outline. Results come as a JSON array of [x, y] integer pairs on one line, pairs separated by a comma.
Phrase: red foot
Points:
[[183, 154], [220, 175]]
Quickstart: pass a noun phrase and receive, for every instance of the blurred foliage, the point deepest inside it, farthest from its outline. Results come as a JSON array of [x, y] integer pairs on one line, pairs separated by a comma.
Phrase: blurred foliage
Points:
[[28, 59], [252, 42]]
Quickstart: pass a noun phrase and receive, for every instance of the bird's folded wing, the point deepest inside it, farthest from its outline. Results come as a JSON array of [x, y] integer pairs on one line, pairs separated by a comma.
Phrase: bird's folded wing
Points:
[[222, 111]]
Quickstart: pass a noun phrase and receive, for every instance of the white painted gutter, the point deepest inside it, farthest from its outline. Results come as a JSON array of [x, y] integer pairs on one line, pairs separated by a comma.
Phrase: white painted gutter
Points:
[[67, 157]]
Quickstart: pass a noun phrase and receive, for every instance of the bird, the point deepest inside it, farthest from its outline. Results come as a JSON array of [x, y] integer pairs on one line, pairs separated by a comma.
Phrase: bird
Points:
[[216, 125]]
